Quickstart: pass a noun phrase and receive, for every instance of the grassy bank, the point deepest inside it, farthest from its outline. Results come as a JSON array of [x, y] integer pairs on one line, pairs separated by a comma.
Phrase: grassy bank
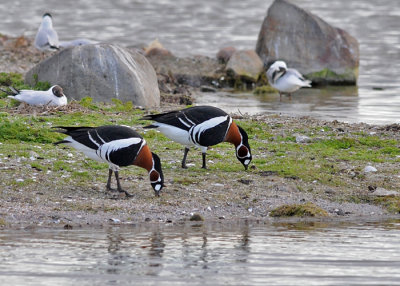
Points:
[[296, 160]]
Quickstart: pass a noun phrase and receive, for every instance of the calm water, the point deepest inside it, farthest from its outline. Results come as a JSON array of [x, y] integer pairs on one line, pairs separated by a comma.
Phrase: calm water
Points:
[[189, 27], [210, 254]]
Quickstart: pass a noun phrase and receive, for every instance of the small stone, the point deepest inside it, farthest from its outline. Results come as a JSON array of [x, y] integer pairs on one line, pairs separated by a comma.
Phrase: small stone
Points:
[[205, 88], [196, 217], [225, 54], [330, 191], [368, 169], [245, 182], [218, 185], [115, 220], [67, 226], [302, 139], [381, 192], [339, 212]]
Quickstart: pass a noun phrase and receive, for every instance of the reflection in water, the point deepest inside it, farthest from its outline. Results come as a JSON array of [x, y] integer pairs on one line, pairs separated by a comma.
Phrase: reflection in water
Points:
[[328, 103], [241, 253]]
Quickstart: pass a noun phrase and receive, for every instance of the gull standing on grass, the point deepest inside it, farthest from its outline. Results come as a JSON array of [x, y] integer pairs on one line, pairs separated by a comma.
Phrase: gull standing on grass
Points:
[[285, 80], [54, 96], [46, 38]]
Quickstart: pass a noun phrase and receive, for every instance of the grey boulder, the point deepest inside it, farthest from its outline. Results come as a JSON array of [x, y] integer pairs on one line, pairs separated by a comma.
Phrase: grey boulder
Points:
[[322, 53], [246, 65], [102, 72]]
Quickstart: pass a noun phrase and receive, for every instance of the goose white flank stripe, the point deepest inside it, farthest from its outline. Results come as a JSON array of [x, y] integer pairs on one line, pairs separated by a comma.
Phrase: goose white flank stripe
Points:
[[284, 79], [118, 146], [46, 37], [106, 149], [54, 96], [201, 127]]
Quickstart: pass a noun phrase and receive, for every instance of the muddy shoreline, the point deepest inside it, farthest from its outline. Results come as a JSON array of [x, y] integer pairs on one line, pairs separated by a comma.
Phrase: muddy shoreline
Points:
[[214, 194]]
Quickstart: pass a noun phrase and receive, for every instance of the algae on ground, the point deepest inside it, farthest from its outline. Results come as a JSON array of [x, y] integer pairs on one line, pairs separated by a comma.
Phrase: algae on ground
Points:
[[299, 210]]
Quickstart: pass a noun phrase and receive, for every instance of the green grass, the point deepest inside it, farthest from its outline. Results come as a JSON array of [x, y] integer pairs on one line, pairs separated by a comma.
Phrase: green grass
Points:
[[391, 203], [273, 145], [16, 80]]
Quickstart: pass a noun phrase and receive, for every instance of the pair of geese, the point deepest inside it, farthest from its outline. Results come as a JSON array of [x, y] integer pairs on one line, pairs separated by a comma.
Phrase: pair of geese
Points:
[[199, 126], [120, 146]]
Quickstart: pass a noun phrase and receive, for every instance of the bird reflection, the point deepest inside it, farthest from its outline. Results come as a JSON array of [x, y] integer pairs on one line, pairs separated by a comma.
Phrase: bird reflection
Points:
[[115, 259], [244, 244], [157, 246]]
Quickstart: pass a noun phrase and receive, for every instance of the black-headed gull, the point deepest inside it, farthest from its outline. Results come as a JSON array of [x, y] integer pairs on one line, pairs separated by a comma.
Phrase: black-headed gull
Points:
[[284, 79], [54, 96], [46, 37]]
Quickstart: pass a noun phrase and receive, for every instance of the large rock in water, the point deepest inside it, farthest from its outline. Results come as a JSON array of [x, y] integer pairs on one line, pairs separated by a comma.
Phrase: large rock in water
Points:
[[100, 71], [323, 53]]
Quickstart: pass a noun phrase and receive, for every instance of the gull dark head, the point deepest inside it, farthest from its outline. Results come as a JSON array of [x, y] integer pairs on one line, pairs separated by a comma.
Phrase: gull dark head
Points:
[[57, 91], [47, 15], [243, 151], [156, 175], [276, 70]]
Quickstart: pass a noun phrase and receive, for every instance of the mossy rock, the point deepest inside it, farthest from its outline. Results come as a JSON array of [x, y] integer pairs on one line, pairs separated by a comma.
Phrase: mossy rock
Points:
[[264, 89], [196, 217], [327, 76], [299, 210], [391, 203]]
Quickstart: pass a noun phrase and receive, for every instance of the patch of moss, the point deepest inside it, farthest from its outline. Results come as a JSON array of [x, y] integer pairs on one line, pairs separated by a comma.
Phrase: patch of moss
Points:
[[88, 103], [349, 76], [264, 89], [121, 106], [391, 203], [186, 181], [16, 80], [300, 210], [2, 222]]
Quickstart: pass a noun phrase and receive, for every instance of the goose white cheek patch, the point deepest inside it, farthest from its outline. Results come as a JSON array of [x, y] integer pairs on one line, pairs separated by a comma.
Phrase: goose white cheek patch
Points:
[[246, 162], [157, 187]]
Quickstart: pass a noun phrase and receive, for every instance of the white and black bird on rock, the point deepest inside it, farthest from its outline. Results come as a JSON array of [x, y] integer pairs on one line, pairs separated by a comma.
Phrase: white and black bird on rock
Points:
[[46, 37], [284, 79], [202, 126], [54, 96], [118, 146]]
